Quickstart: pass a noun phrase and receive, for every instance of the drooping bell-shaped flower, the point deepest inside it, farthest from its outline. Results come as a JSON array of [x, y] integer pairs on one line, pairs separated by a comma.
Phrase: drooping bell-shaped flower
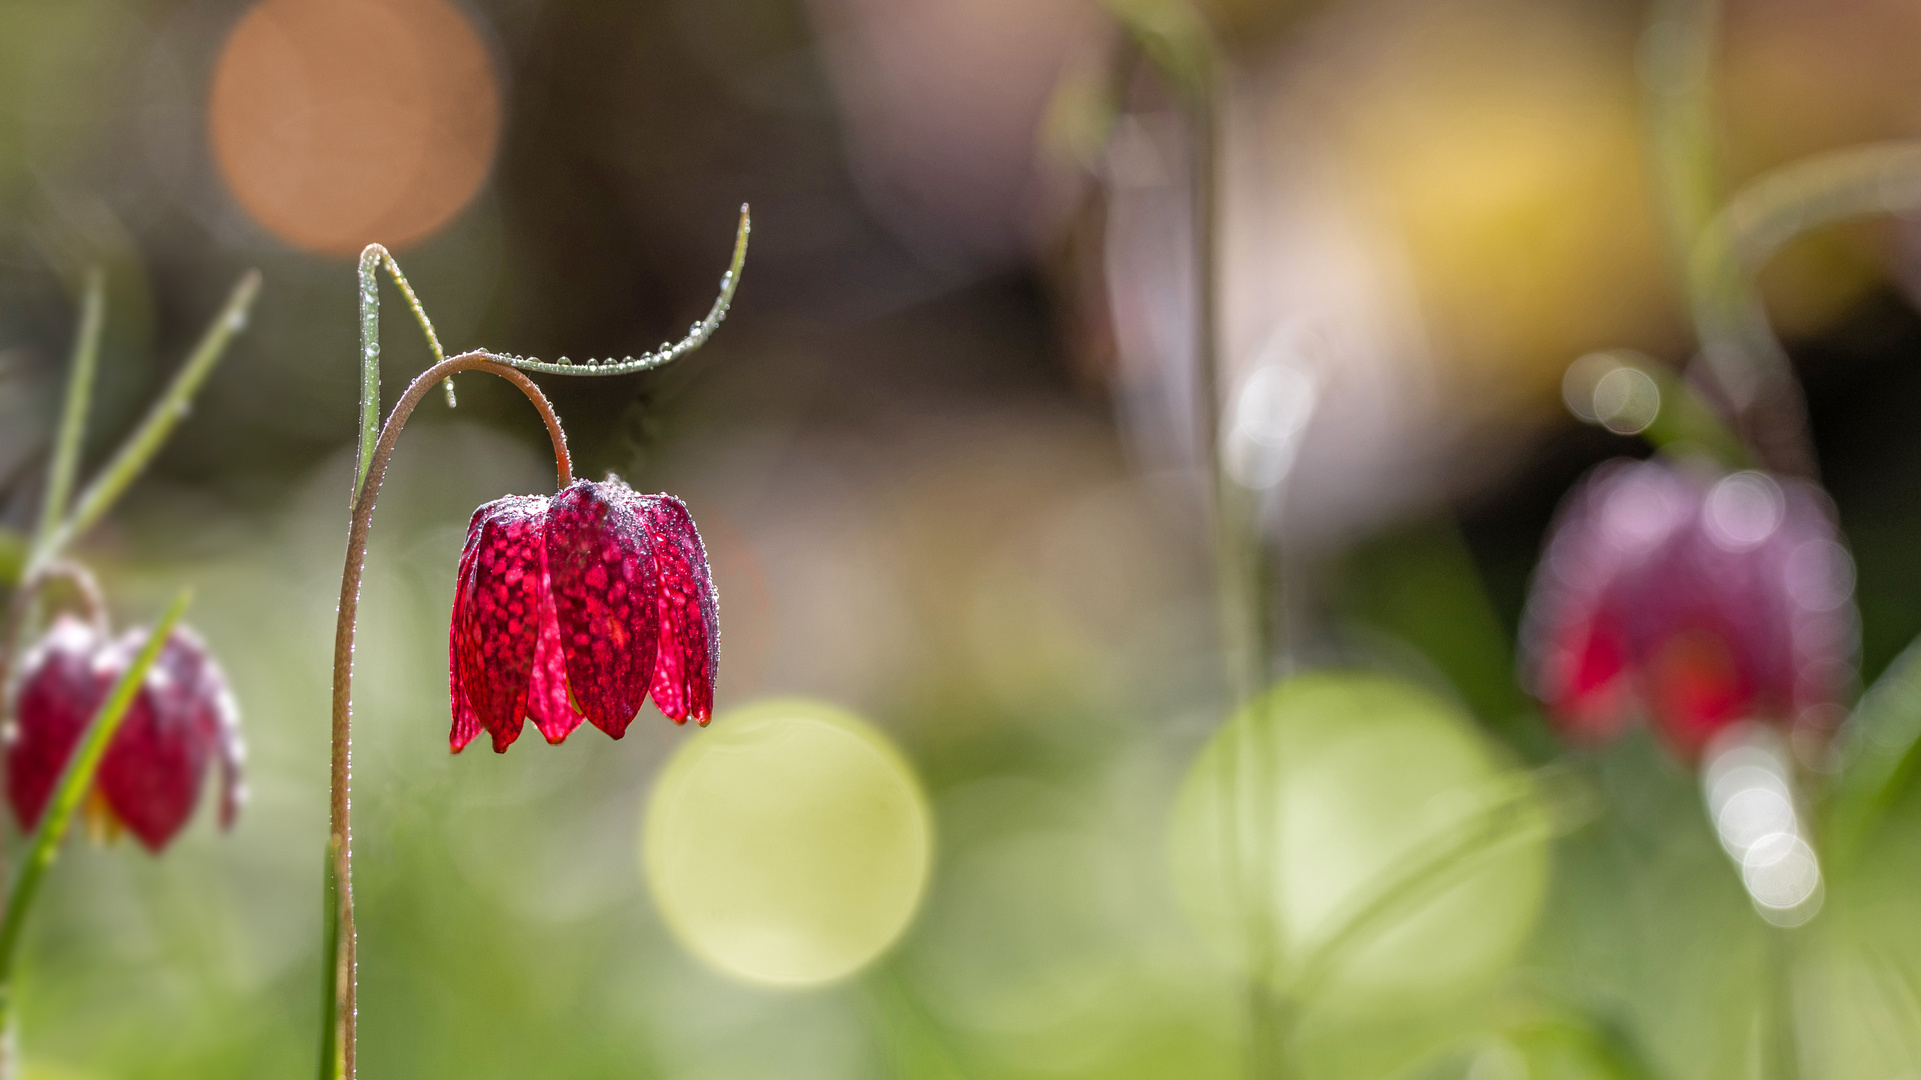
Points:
[[577, 606], [182, 718], [1693, 600]]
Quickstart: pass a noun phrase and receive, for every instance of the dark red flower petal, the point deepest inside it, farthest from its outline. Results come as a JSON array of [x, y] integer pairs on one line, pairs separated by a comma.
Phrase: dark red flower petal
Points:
[[1747, 614], [1585, 686], [499, 611], [182, 717], [466, 723], [1578, 638], [62, 683], [689, 611], [152, 772], [1697, 600], [605, 583], [547, 703]]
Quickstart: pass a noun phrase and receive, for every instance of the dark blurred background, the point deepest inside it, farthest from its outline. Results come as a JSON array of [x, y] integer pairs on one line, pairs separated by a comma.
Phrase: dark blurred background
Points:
[[942, 455]]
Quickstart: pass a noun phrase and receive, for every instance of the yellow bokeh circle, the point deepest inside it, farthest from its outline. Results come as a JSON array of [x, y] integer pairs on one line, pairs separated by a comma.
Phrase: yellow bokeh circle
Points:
[[787, 844]]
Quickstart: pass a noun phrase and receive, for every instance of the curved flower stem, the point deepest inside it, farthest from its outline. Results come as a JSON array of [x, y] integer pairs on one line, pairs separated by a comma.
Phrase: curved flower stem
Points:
[[668, 352], [75, 780], [338, 1040], [1763, 217]]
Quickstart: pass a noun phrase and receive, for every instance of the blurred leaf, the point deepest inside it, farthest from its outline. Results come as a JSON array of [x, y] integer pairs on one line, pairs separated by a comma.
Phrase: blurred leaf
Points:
[[13, 556], [1422, 586], [1880, 745], [65, 461], [167, 410]]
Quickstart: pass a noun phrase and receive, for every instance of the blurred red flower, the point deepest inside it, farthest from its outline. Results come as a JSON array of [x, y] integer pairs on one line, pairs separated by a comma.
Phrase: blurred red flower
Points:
[[182, 717], [580, 605], [1694, 600]]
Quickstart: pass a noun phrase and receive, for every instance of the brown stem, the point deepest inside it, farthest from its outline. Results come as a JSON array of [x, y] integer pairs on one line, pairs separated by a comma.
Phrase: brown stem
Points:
[[341, 832]]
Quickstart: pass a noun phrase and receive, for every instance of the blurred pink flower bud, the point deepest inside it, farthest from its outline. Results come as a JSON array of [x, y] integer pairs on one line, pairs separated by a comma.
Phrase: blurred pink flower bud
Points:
[[580, 605], [1692, 600], [182, 717]]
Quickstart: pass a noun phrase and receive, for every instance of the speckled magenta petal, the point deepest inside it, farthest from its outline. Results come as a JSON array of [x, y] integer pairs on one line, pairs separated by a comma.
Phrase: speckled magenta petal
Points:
[[152, 772], [500, 619], [466, 722], [689, 611], [601, 568], [547, 704], [62, 682], [232, 753]]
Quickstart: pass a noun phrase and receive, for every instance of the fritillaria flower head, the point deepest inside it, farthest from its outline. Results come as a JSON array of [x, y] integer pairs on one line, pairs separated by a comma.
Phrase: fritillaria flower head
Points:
[[182, 719], [1695, 600], [579, 606]]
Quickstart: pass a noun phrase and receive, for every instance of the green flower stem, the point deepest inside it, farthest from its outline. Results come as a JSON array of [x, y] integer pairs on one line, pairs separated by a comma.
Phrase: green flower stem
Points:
[[75, 780], [146, 440], [65, 461]]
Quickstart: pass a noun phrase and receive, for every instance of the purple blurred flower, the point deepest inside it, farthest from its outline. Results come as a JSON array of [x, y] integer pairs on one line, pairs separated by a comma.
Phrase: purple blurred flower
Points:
[[580, 605], [182, 718], [1694, 600]]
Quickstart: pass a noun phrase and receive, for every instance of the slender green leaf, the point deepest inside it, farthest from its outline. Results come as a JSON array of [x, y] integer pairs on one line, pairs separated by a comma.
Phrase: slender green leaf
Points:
[[65, 461], [146, 440], [13, 557], [369, 362], [1511, 815], [1880, 749]]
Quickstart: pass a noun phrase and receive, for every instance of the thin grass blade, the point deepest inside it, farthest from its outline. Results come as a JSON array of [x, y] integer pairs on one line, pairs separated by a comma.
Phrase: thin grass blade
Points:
[[65, 462], [167, 411]]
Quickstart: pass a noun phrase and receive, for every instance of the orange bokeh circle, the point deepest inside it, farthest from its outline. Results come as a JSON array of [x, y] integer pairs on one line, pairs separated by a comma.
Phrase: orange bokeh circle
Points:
[[340, 123]]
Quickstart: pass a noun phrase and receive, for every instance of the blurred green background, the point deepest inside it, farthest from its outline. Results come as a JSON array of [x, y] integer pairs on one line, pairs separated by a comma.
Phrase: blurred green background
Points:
[[941, 457]]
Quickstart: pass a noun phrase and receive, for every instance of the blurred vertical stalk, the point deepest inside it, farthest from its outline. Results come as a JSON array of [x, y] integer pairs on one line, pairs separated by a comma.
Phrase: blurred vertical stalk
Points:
[[1754, 376], [1677, 61], [1242, 578], [1780, 1045], [1175, 39]]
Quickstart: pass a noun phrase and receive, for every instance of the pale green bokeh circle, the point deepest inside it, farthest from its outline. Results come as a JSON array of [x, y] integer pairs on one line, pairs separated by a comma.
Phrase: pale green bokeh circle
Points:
[[1371, 777], [788, 844]]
